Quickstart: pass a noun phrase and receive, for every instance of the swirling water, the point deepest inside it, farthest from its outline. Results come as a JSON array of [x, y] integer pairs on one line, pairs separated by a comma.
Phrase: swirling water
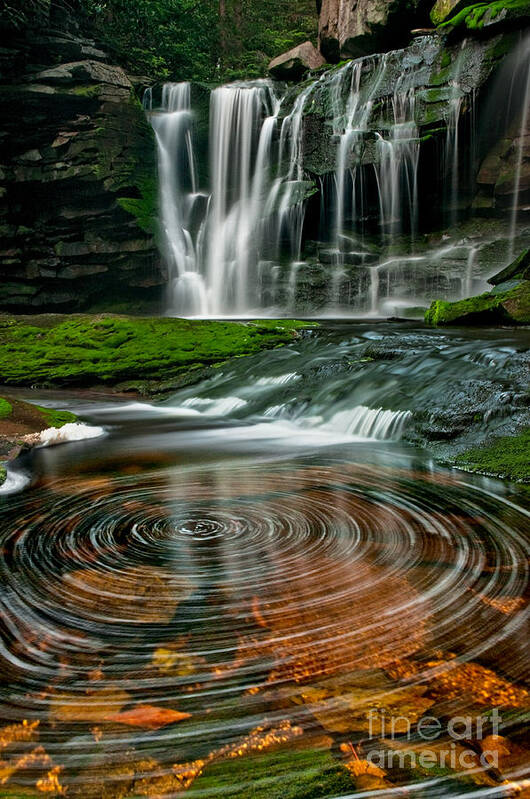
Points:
[[218, 599]]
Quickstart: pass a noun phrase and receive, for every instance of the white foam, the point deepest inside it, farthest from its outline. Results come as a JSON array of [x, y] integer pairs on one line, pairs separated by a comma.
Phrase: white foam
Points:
[[73, 431], [280, 380], [215, 407], [383, 425], [14, 482]]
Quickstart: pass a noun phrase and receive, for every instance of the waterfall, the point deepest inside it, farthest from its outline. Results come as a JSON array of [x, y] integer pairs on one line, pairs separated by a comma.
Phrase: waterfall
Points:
[[235, 231], [178, 199], [370, 423], [397, 172], [523, 68]]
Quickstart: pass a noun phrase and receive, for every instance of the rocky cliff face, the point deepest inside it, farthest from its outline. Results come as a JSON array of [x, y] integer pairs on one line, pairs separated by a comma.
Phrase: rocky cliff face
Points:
[[77, 179], [352, 28]]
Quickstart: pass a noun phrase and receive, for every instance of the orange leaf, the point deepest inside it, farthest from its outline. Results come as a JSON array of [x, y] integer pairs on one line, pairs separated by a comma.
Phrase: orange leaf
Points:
[[149, 717]]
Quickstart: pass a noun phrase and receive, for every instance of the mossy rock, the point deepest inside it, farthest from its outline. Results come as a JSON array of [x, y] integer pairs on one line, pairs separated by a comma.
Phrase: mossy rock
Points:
[[507, 457], [106, 349], [477, 16], [510, 307]]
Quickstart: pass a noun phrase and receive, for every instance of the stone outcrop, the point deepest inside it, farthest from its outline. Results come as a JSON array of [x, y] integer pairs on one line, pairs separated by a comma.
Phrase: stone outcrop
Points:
[[505, 171], [353, 28], [77, 179], [296, 63], [428, 67]]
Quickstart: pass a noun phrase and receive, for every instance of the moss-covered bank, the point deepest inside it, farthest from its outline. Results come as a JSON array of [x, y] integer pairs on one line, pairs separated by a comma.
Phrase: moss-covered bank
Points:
[[507, 457], [140, 353]]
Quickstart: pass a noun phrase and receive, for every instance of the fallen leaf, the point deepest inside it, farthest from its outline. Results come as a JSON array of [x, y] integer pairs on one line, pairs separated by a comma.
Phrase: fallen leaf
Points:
[[149, 717]]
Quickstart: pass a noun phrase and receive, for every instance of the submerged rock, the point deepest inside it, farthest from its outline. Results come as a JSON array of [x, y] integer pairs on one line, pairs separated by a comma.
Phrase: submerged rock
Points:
[[295, 63]]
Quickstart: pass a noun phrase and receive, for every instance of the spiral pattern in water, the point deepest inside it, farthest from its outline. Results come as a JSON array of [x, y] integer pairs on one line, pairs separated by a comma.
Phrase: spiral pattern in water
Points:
[[158, 625]]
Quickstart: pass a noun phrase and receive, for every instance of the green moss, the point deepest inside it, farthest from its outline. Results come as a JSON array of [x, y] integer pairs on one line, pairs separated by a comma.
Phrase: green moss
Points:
[[3, 475], [92, 91], [507, 457], [475, 16], [143, 208], [309, 774], [55, 418], [6, 409], [505, 307], [83, 350], [125, 161]]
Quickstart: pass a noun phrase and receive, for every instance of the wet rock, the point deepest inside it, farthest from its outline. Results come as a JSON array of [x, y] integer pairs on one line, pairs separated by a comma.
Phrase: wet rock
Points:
[[517, 270], [295, 63]]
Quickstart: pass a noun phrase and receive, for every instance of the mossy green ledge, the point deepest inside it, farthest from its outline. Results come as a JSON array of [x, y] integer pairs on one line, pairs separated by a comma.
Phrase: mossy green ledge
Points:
[[508, 304], [142, 354], [507, 457]]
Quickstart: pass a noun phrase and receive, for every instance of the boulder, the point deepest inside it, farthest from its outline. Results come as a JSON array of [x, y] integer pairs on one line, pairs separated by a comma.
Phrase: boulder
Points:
[[360, 27], [295, 63], [510, 306], [78, 72]]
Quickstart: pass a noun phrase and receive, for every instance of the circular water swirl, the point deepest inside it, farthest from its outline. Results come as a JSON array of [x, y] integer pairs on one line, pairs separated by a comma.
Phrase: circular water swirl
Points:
[[246, 597]]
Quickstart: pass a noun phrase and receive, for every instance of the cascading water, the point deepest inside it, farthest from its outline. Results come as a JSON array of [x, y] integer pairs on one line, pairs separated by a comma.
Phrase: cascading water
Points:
[[236, 241], [179, 198], [522, 68]]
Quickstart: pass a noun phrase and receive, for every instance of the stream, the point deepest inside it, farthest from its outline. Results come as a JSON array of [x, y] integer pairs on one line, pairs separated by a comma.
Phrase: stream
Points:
[[259, 587]]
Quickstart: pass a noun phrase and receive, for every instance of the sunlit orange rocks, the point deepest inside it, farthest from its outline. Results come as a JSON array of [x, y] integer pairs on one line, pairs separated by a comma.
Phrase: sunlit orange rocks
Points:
[[474, 684], [148, 717], [142, 595], [15, 733]]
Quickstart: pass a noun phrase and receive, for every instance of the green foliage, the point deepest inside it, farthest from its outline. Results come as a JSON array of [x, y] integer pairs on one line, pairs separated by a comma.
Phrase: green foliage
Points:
[[159, 38], [201, 40], [252, 33], [81, 350], [507, 457], [14, 14], [6, 409]]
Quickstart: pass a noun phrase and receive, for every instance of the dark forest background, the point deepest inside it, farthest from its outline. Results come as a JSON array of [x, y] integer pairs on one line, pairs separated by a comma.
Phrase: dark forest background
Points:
[[206, 40]]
